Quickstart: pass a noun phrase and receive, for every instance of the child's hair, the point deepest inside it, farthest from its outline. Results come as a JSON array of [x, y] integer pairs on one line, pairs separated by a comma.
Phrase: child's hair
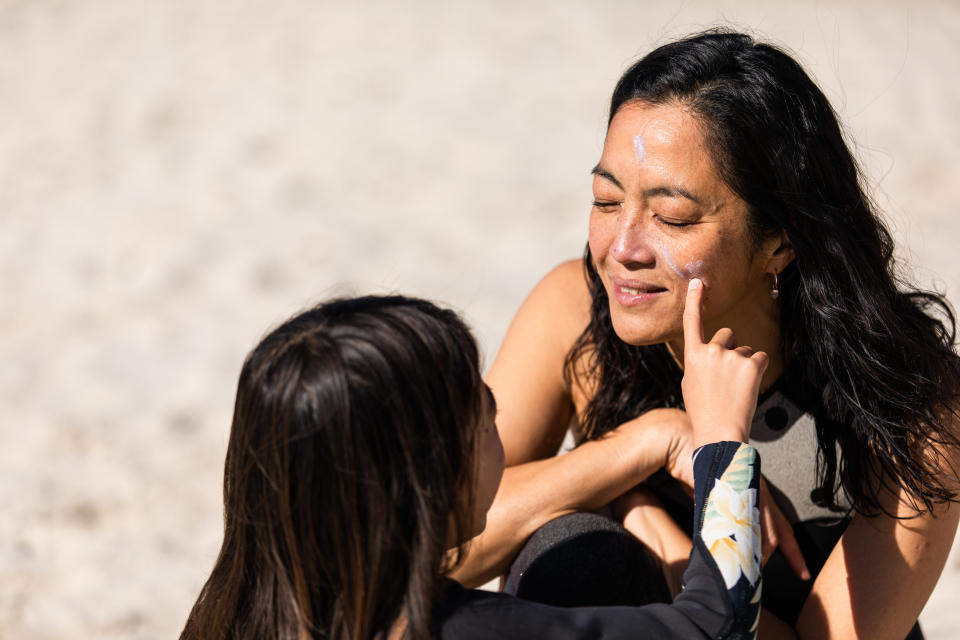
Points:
[[349, 472]]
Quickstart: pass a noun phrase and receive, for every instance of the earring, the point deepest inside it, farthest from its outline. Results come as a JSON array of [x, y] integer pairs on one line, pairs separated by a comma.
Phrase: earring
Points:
[[775, 291]]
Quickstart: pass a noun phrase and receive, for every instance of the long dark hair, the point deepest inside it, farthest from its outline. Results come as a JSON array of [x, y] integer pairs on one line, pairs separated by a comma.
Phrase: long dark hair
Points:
[[349, 470], [878, 350]]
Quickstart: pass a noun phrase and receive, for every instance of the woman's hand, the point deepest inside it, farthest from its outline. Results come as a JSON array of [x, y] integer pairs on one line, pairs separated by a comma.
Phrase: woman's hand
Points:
[[676, 439], [721, 381]]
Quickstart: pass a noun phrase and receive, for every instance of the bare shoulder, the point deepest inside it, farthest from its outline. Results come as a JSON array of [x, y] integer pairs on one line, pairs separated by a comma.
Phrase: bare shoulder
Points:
[[534, 404], [563, 299]]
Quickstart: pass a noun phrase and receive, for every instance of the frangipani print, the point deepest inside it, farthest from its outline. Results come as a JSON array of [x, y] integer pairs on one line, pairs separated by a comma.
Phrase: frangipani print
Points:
[[731, 528]]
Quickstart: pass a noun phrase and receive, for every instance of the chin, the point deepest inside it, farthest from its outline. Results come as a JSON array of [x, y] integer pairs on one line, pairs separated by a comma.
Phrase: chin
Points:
[[636, 332]]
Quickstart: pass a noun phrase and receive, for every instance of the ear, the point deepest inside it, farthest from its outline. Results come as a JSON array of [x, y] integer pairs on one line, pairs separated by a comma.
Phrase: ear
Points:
[[779, 252]]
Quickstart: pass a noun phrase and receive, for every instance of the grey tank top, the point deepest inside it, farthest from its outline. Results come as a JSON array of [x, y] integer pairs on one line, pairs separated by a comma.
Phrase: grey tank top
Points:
[[786, 438]]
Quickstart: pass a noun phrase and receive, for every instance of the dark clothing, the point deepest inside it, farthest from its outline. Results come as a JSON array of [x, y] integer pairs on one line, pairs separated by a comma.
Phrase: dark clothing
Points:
[[609, 565], [719, 596]]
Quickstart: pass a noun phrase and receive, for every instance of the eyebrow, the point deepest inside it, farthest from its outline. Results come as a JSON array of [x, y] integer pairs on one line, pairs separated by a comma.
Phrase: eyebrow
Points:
[[670, 192], [652, 192], [606, 175]]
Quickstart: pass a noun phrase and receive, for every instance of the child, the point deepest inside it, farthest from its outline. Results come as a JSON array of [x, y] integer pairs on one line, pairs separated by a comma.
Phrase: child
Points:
[[363, 457]]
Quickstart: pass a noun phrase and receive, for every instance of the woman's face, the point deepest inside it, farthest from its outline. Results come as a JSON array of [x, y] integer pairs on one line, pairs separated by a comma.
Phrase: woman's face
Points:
[[490, 461], [661, 216]]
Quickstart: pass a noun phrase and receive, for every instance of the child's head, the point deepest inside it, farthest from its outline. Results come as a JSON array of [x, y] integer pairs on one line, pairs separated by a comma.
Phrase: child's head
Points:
[[352, 468]]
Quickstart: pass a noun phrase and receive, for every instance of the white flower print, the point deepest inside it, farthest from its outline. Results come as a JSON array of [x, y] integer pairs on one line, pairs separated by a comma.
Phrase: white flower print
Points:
[[731, 527]]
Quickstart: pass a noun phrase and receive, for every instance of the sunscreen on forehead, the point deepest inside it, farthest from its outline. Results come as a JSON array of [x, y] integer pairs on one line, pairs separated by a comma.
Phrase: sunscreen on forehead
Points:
[[639, 149]]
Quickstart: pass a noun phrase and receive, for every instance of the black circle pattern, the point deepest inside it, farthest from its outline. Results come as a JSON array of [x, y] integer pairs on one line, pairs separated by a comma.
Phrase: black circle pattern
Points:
[[776, 418]]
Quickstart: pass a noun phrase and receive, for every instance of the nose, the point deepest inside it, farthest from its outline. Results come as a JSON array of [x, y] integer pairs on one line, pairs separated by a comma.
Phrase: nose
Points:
[[632, 245]]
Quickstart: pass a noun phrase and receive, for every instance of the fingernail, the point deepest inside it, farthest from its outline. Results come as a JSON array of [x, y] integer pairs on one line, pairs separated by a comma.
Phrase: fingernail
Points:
[[696, 283]]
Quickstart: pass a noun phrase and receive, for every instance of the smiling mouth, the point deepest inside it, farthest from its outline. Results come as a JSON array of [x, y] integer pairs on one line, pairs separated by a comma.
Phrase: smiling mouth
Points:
[[636, 291]]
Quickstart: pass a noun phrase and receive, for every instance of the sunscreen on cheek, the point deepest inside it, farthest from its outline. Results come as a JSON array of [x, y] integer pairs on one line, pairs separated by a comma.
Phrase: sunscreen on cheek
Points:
[[693, 269]]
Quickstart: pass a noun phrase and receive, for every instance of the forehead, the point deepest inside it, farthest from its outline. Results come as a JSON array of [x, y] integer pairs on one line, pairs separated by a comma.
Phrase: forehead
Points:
[[674, 148], [666, 124]]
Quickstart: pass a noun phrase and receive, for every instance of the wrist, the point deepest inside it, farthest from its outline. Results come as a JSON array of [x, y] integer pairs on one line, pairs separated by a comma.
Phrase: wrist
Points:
[[679, 440], [719, 433], [659, 438]]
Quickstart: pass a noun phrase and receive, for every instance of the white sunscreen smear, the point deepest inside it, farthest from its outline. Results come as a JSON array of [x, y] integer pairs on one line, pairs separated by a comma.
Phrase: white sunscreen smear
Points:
[[690, 270], [669, 259], [639, 149], [694, 269]]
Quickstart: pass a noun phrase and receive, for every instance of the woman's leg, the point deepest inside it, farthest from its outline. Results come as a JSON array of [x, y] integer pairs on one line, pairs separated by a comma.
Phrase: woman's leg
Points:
[[585, 559]]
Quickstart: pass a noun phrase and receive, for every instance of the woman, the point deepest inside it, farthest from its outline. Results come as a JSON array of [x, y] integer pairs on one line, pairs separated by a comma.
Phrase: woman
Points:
[[724, 161], [364, 454]]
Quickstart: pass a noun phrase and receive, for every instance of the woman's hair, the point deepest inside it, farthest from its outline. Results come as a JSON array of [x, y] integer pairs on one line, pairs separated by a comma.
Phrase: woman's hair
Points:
[[348, 473], [878, 351]]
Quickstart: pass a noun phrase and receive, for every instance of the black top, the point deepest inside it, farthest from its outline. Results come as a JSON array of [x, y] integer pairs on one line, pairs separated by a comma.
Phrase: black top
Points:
[[721, 583]]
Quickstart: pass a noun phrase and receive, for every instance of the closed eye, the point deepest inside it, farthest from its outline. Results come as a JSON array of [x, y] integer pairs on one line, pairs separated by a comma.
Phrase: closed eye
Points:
[[673, 223], [605, 205]]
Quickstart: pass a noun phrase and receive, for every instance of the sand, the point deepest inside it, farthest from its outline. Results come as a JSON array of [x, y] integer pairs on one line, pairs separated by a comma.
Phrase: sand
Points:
[[177, 176]]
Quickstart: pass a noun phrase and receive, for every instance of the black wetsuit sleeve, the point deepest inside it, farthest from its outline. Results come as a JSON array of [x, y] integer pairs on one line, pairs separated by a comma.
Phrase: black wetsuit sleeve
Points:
[[721, 595]]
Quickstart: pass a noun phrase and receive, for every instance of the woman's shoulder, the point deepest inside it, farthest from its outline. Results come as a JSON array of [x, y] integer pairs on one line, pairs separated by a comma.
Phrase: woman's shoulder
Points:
[[553, 315], [527, 376], [570, 272], [564, 296]]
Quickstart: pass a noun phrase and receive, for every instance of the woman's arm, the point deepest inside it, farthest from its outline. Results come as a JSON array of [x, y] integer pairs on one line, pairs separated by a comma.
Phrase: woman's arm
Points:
[[880, 574], [534, 410], [878, 578], [587, 478]]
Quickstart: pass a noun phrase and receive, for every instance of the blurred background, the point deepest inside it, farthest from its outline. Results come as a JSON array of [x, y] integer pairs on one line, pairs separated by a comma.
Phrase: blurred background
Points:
[[178, 176]]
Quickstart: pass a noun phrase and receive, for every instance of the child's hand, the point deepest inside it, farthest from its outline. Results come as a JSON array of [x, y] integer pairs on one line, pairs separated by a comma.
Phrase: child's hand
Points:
[[720, 380]]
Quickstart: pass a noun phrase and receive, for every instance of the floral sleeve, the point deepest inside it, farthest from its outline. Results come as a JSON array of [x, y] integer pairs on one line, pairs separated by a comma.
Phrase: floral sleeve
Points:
[[727, 524]]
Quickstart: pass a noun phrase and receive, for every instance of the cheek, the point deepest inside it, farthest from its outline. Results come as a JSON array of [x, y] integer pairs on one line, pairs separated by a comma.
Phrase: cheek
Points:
[[599, 236], [684, 258]]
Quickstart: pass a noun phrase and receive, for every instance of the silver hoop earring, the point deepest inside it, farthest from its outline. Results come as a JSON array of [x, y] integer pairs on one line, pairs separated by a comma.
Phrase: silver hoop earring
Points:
[[775, 291]]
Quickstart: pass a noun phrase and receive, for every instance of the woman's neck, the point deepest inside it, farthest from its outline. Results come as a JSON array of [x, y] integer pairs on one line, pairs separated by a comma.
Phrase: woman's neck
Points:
[[760, 331]]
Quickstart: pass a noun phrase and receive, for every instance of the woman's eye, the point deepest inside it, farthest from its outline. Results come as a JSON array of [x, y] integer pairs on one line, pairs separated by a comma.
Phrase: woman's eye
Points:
[[672, 222], [605, 205]]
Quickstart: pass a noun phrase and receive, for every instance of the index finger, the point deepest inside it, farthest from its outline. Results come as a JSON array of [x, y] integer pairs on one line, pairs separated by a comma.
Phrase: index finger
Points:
[[692, 327]]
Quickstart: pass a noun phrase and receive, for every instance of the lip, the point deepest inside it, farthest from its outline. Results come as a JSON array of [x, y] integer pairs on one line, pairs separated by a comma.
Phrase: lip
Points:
[[633, 292]]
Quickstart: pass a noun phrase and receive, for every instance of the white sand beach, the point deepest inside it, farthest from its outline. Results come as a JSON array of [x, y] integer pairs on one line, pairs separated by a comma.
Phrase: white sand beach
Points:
[[177, 176]]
